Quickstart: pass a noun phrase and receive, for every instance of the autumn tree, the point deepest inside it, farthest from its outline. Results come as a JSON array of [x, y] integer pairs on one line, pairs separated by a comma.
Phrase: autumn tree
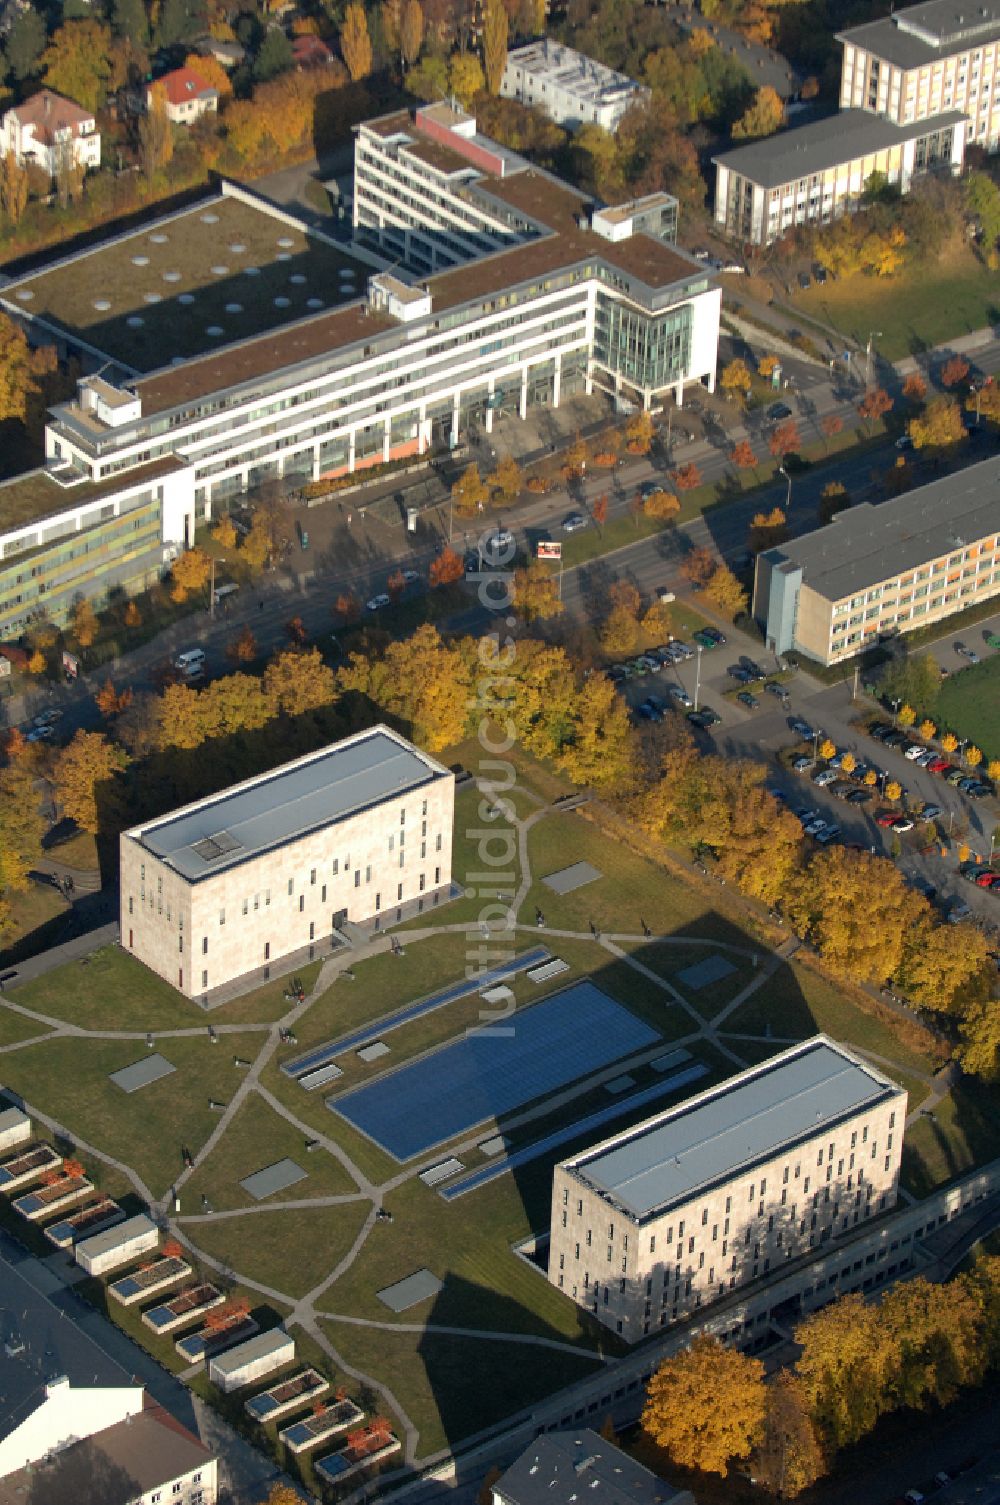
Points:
[[941, 963], [699, 565], [599, 511], [687, 477], [469, 494], [156, 139], [619, 632], [873, 406], [742, 455], [21, 828], [767, 365], [211, 72], [639, 432], [767, 530], [411, 31], [224, 533], [705, 1406], [595, 745], [21, 371], [85, 623], [189, 572], [14, 182], [832, 425], [762, 117], [832, 499], [421, 682], [111, 702], [82, 768], [465, 77], [856, 909], [954, 371], [726, 592], [978, 1050], [844, 1370], [784, 439], [577, 455], [508, 478], [347, 606], [736, 381], [939, 427], [535, 592], [243, 648], [283, 1494], [133, 616], [788, 1458], [297, 681], [446, 568], [914, 388], [355, 43], [662, 505], [934, 1329], [494, 43], [76, 62]]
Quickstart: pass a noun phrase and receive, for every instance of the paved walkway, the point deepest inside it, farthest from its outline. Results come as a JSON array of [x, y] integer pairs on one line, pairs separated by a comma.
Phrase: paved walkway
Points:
[[315, 1312]]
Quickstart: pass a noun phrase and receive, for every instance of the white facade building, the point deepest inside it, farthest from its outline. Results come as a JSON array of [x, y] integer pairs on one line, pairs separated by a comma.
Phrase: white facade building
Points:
[[253, 1360], [924, 61], [47, 127], [570, 88], [82, 1433], [117, 1246], [359, 832], [726, 1188], [817, 172]]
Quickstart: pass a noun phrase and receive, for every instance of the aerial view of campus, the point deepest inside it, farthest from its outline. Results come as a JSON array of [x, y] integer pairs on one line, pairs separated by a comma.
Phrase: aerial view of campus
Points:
[[499, 752]]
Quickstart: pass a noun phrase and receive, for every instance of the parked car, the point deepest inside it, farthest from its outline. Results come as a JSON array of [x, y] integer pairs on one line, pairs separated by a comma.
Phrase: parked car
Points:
[[737, 672], [830, 834], [779, 411], [824, 777], [755, 671], [859, 796], [803, 765], [802, 729], [938, 765], [955, 777], [573, 522], [778, 690], [750, 701], [928, 813], [885, 818], [902, 823], [682, 648], [879, 730], [704, 718], [984, 878], [649, 711], [904, 443], [715, 635], [704, 640], [678, 693], [913, 750]]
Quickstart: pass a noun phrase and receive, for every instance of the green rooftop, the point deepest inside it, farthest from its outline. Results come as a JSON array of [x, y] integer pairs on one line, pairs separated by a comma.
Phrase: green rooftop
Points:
[[188, 283], [35, 494]]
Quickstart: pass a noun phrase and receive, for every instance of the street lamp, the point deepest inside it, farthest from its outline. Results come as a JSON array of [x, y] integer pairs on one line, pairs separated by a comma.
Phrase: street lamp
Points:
[[211, 590], [697, 674], [873, 335], [788, 495]]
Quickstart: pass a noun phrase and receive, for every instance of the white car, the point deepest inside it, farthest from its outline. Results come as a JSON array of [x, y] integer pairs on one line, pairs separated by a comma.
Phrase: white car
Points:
[[411, 576], [802, 765], [377, 602], [824, 777], [914, 751], [678, 693]]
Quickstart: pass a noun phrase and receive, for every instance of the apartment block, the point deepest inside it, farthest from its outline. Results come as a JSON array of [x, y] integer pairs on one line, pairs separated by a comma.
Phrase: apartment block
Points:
[[570, 88], [359, 833], [924, 61], [815, 173], [885, 570], [726, 1188]]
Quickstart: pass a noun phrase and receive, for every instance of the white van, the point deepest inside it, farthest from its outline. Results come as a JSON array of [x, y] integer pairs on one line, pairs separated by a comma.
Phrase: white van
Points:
[[192, 663]]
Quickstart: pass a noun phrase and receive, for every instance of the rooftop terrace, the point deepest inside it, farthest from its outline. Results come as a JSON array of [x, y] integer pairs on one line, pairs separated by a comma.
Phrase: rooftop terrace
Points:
[[35, 495]]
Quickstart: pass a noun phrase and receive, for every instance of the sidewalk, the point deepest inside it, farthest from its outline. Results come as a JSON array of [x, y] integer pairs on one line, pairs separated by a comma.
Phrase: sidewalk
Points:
[[78, 949]]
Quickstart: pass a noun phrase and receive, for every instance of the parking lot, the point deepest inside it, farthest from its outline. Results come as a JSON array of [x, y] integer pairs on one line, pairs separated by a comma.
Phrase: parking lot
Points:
[[765, 731]]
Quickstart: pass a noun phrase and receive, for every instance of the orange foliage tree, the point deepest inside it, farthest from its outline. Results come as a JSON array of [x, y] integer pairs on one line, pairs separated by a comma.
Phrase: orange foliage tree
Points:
[[446, 568]]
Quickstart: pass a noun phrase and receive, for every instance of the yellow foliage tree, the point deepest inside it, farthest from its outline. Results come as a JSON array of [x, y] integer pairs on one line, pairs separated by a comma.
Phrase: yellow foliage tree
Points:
[[949, 742], [726, 592], [767, 530], [662, 505], [736, 380], [639, 432], [762, 116], [907, 715], [494, 43], [37, 662], [189, 572], [827, 749], [224, 533], [856, 909], [469, 493], [993, 769], [848, 763], [411, 31], [844, 1369], [927, 729], [85, 624], [355, 43], [893, 791], [508, 478], [82, 771], [133, 616], [296, 682], [619, 632], [465, 77], [535, 592], [789, 1458], [14, 182], [77, 62], [211, 72], [973, 756], [705, 1406], [871, 777], [940, 425], [767, 365]]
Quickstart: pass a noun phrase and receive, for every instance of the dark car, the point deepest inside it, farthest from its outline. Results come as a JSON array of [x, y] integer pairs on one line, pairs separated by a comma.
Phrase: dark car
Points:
[[741, 675], [778, 411], [715, 635], [750, 701], [573, 522], [859, 796], [704, 718], [753, 669]]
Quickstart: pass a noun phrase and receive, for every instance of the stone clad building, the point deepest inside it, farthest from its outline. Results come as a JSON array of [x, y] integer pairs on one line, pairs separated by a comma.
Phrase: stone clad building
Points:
[[723, 1189], [359, 832]]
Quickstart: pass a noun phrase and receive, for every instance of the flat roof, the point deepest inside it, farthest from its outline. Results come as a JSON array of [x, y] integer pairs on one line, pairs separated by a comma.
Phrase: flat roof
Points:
[[114, 1238], [924, 34], [267, 812], [867, 544], [824, 144], [560, 1468], [152, 295], [573, 72], [262, 1346], [726, 1130], [36, 494]]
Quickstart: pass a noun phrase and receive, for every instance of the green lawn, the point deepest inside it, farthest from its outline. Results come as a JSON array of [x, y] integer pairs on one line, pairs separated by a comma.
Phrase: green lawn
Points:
[[920, 308], [290, 1251], [669, 960], [478, 846], [962, 1133], [15, 1027], [68, 1078], [38, 907], [256, 1137], [453, 1386], [969, 701]]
